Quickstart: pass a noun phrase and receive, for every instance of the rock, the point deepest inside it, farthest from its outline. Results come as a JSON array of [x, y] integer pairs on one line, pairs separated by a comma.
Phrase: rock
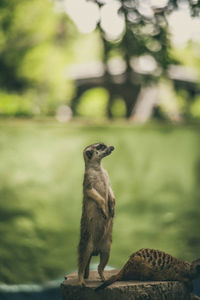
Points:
[[122, 290]]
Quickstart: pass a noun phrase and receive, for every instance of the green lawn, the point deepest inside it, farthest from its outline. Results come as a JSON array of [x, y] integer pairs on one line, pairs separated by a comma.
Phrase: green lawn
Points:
[[155, 174]]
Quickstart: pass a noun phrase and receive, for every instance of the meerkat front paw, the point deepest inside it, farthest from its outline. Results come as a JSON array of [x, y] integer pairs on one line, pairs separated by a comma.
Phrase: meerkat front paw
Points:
[[111, 208], [104, 213]]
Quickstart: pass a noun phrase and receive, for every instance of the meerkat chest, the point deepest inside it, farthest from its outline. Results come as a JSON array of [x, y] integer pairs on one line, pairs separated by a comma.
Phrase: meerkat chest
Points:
[[101, 184], [98, 179]]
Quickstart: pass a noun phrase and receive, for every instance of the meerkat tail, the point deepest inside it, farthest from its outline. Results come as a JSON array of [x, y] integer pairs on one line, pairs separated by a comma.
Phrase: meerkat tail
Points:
[[108, 282]]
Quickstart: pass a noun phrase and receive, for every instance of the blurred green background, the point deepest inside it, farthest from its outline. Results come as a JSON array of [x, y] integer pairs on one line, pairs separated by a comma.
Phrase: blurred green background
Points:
[[66, 84], [154, 172]]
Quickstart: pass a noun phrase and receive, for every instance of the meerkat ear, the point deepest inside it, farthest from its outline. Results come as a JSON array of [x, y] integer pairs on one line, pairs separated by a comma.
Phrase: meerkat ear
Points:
[[89, 153]]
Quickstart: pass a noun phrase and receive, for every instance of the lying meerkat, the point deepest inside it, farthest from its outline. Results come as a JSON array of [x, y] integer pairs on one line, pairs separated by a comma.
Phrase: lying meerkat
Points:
[[154, 265], [97, 212]]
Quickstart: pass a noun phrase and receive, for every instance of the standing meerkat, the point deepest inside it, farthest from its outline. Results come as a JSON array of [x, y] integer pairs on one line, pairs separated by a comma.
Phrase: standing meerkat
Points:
[[97, 212], [154, 265]]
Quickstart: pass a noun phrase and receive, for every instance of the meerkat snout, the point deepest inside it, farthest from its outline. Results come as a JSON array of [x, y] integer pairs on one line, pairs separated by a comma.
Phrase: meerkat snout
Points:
[[107, 151], [111, 148]]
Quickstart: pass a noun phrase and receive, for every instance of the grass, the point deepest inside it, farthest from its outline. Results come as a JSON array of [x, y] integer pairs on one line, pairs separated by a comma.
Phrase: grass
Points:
[[155, 174]]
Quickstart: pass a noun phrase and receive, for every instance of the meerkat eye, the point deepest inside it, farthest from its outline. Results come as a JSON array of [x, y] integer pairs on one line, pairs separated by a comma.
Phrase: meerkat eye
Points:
[[101, 147]]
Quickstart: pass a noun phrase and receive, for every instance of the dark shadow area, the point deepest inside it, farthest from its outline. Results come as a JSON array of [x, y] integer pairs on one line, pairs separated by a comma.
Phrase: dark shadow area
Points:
[[196, 285], [52, 293]]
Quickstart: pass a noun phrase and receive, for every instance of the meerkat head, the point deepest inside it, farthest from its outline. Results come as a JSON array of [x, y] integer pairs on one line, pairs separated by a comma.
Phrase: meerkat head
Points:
[[95, 152], [195, 268]]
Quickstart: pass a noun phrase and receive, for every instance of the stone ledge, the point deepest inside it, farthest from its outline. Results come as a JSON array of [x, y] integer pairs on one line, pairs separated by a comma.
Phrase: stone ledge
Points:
[[122, 290]]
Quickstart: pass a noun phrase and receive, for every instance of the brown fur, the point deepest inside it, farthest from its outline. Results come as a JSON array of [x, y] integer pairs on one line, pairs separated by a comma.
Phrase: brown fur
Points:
[[97, 212], [149, 264]]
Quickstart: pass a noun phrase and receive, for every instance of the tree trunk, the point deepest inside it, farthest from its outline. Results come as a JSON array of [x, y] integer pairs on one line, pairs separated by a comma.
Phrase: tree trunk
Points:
[[122, 290]]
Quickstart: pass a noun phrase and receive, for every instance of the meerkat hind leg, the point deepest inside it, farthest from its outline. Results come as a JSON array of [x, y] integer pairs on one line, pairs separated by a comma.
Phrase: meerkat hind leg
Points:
[[104, 257], [87, 269], [83, 262]]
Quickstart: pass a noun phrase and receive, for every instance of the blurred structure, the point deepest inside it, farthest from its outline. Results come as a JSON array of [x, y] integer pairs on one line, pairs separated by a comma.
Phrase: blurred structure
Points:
[[64, 114], [140, 99], [136, 52], [135, 47]]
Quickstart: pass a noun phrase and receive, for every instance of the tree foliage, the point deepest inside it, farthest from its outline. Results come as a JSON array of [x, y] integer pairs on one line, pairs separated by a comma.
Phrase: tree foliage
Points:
[[36, 47], [146, 31], [33, 42], [144, 46]]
